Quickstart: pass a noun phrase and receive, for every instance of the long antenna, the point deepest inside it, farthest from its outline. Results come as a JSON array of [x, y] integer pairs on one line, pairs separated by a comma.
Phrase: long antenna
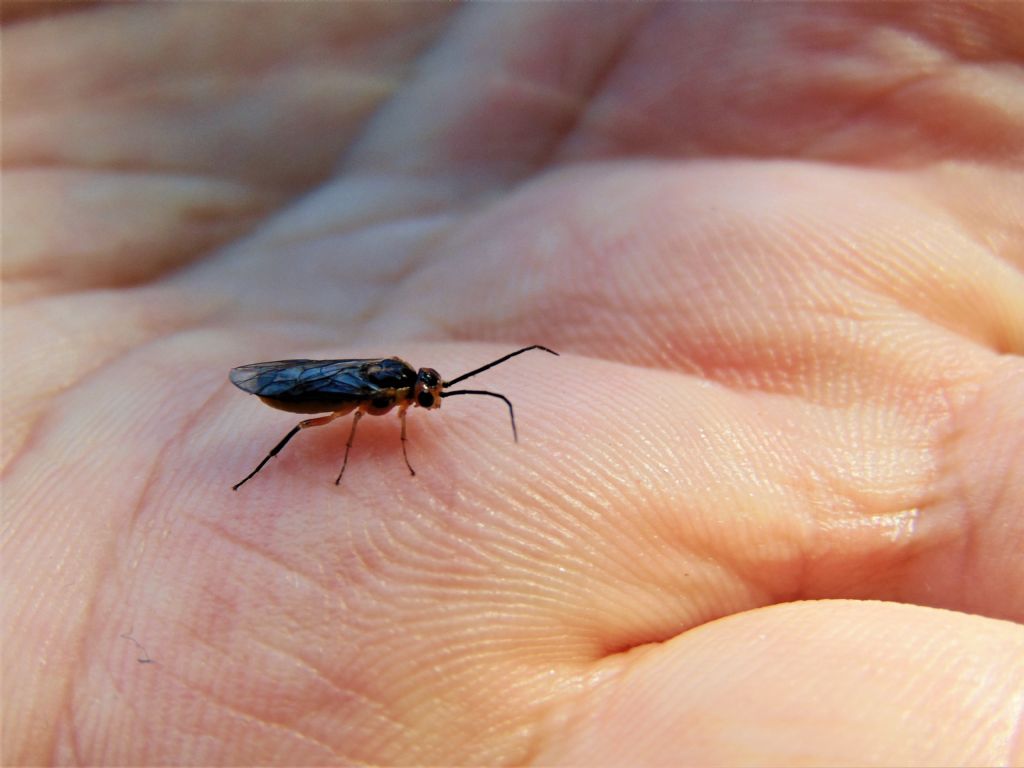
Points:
[[500, 360], [511, 413]]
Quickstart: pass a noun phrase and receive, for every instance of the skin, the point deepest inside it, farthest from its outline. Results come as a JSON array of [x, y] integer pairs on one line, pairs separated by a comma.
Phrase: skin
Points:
[[765, 509]]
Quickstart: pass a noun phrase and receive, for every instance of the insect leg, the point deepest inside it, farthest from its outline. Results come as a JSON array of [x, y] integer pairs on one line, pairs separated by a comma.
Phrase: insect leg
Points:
[[348, 446], [401, 415], [319, 421]]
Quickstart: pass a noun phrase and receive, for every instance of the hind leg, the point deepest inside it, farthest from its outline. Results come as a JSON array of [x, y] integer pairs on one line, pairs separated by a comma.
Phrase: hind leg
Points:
[[317, 422]]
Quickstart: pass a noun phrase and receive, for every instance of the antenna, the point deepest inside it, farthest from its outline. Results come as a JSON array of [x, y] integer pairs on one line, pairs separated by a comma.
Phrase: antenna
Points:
[[499, 361], [481, 369], [511, 414]]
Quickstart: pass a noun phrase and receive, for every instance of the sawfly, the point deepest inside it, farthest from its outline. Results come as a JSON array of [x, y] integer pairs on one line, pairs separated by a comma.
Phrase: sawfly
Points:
[[339, 387]]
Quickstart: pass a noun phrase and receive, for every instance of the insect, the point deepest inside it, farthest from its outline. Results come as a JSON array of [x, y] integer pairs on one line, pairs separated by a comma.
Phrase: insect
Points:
[[338, 387]]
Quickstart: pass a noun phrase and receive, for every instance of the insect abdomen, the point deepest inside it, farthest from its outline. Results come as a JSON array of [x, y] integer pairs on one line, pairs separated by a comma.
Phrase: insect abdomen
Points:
[[311, 404]]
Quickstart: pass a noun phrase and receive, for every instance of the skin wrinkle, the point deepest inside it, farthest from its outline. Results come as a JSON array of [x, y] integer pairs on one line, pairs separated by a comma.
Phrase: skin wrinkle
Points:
[[437, 42], [167, 672], [71, 733], [950, 430], [189, 684], [1016, 740], [499, 530], [589, 96], [240, 542], [103, 573], [153, 335], [517, 71], [347, 693], [621, 563], [182, 86], [202, 218], [955, 35], [990, 213], [871, 109], [872, 279], [426, 202], [262, 721], [246, 63], [949, 439], [381, 307], [358, 315], [74, 681]]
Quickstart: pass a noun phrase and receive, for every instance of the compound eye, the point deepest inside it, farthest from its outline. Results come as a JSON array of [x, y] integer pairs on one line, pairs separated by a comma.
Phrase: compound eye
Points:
[[425, 399]]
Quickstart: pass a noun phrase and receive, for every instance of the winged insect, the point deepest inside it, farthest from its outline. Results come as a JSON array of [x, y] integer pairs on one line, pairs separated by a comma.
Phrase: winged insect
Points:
[[366, 386]]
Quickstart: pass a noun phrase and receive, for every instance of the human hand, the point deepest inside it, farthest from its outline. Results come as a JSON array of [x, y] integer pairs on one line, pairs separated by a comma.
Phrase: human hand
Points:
[[778, 249]]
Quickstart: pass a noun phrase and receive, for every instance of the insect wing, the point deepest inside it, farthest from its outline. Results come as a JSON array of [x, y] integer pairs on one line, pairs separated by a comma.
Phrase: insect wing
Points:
[[293, 379]]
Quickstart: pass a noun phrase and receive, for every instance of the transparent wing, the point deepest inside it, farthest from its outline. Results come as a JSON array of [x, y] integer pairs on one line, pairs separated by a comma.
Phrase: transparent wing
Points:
[[293, 379]]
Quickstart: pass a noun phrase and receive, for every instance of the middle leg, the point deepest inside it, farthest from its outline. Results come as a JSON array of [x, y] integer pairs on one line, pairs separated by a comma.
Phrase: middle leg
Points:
[[401, 415]]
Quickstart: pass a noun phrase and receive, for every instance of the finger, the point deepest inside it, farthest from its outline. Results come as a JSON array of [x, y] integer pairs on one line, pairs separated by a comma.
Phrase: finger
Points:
[[507, 91], [494, 99], [781, 278], [830, 683], [128, 100], [134, 146]]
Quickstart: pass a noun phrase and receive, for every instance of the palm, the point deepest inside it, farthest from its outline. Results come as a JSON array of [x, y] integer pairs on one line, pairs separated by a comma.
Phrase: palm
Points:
[[789, 321]]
